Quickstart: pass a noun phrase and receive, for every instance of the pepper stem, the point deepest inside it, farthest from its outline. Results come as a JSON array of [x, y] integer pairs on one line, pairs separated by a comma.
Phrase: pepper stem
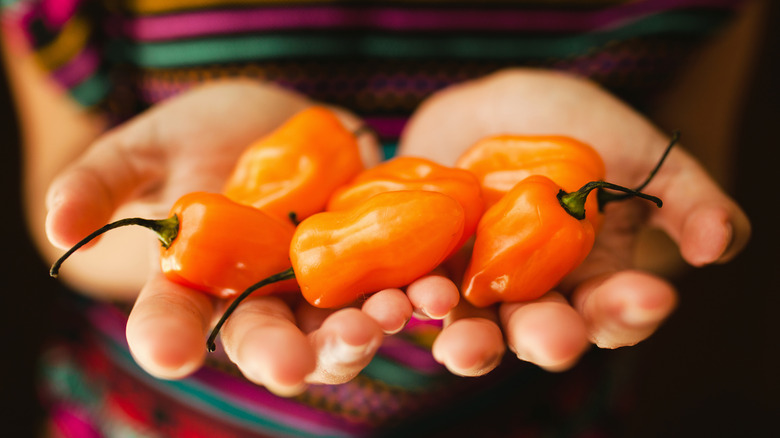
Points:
[[281, 276], [574, 202], [605, 198], [364, 129], [166, 230], [293, 216]]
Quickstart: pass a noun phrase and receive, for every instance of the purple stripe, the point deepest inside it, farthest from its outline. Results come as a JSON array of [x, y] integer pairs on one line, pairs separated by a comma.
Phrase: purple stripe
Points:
[[387, 126], [109, 321], [199, 24], [78, 69]]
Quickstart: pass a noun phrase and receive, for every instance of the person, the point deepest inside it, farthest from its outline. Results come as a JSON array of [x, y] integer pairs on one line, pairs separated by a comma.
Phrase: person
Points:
[[162, 104]]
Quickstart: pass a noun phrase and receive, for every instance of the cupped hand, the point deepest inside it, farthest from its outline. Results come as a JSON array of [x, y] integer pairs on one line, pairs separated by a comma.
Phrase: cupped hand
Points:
[[191, 143], [606, 301]]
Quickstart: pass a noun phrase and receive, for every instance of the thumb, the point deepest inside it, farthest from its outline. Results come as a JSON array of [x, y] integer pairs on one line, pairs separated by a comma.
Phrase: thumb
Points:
[[708, 226], [84, 196]]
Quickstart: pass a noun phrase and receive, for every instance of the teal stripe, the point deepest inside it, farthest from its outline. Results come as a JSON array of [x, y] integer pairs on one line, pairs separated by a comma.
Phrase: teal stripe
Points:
[[398, 375], [259, 47], [197, 395], [389, 149], [93, 89]]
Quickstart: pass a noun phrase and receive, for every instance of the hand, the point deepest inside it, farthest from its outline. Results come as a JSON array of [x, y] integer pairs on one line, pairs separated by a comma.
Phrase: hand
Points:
[[606, 301], [191, 143]]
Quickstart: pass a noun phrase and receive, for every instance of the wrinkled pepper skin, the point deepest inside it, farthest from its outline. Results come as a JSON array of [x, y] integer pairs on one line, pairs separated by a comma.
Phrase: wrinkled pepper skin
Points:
[[388, 241], [525, 244], [501, 161], [295, 168], [223, 247], [415, 173]]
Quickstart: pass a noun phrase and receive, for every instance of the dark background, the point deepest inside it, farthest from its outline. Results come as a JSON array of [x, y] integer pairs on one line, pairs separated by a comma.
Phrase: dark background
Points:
[[711, 370]]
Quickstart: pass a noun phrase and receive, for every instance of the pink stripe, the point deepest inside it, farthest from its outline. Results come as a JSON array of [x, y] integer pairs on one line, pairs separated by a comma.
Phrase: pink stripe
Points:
[[420, 322], [199, 24], [78, 69], [72, 421], [58, 12]]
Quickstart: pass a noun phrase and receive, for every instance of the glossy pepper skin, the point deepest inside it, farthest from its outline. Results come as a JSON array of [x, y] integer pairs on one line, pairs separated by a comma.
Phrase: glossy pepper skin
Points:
[[526, 243], [212, 244], [295, 168], [389, 240], [223, 247], [501, 161], [415, 173]]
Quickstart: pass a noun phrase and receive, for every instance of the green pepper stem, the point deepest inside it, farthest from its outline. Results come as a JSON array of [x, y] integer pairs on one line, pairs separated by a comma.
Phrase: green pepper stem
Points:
[[574, 202], [166, 230], [281, 276], [605, 198]]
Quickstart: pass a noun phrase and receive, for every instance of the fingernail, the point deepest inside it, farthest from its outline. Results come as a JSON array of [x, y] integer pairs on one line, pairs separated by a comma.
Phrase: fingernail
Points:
[[53, 200], [398, 330], [729, 242], [479, 368], [287, 390], [421, 314], [433, 315], [339, 351], [638, 316]]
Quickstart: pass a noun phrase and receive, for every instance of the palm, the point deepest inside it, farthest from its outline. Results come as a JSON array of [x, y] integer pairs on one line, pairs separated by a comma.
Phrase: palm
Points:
[[190, 143], [604, 301]]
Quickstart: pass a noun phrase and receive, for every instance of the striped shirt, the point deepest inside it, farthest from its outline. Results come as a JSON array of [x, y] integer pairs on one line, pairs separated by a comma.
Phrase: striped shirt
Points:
[[380, 59]]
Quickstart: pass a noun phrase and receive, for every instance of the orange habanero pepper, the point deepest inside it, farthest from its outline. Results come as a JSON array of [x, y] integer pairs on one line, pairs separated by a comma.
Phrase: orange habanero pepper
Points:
[[501, 161], [295, 168], [415, 173], [530, 239], [214, 245], [389, 240], [536, 234]]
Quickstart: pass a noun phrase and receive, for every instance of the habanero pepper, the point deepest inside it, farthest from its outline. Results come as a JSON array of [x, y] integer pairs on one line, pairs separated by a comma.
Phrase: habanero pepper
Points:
[[390, 240], [214, 245], [529, 240], [295, 168], [415, 173], [536, 234], [501, 161]]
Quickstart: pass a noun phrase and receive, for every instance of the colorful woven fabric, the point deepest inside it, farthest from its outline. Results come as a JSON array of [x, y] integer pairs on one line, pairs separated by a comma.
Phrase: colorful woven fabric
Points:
[[376, 58], [379, 59]]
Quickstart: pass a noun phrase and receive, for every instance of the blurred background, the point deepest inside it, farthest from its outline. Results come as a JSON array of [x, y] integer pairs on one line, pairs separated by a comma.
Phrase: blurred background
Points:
[[711, 370]]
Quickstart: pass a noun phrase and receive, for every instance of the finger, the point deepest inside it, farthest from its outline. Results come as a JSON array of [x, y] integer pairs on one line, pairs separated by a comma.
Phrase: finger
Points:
[[167, 328], [707, 225], [368, 142], [470, 343], [390, 308], [136, 158], [308, 317], [547, 331], [262, 339], [433, 296], [85, 196], [623, 308], [344, 344]]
